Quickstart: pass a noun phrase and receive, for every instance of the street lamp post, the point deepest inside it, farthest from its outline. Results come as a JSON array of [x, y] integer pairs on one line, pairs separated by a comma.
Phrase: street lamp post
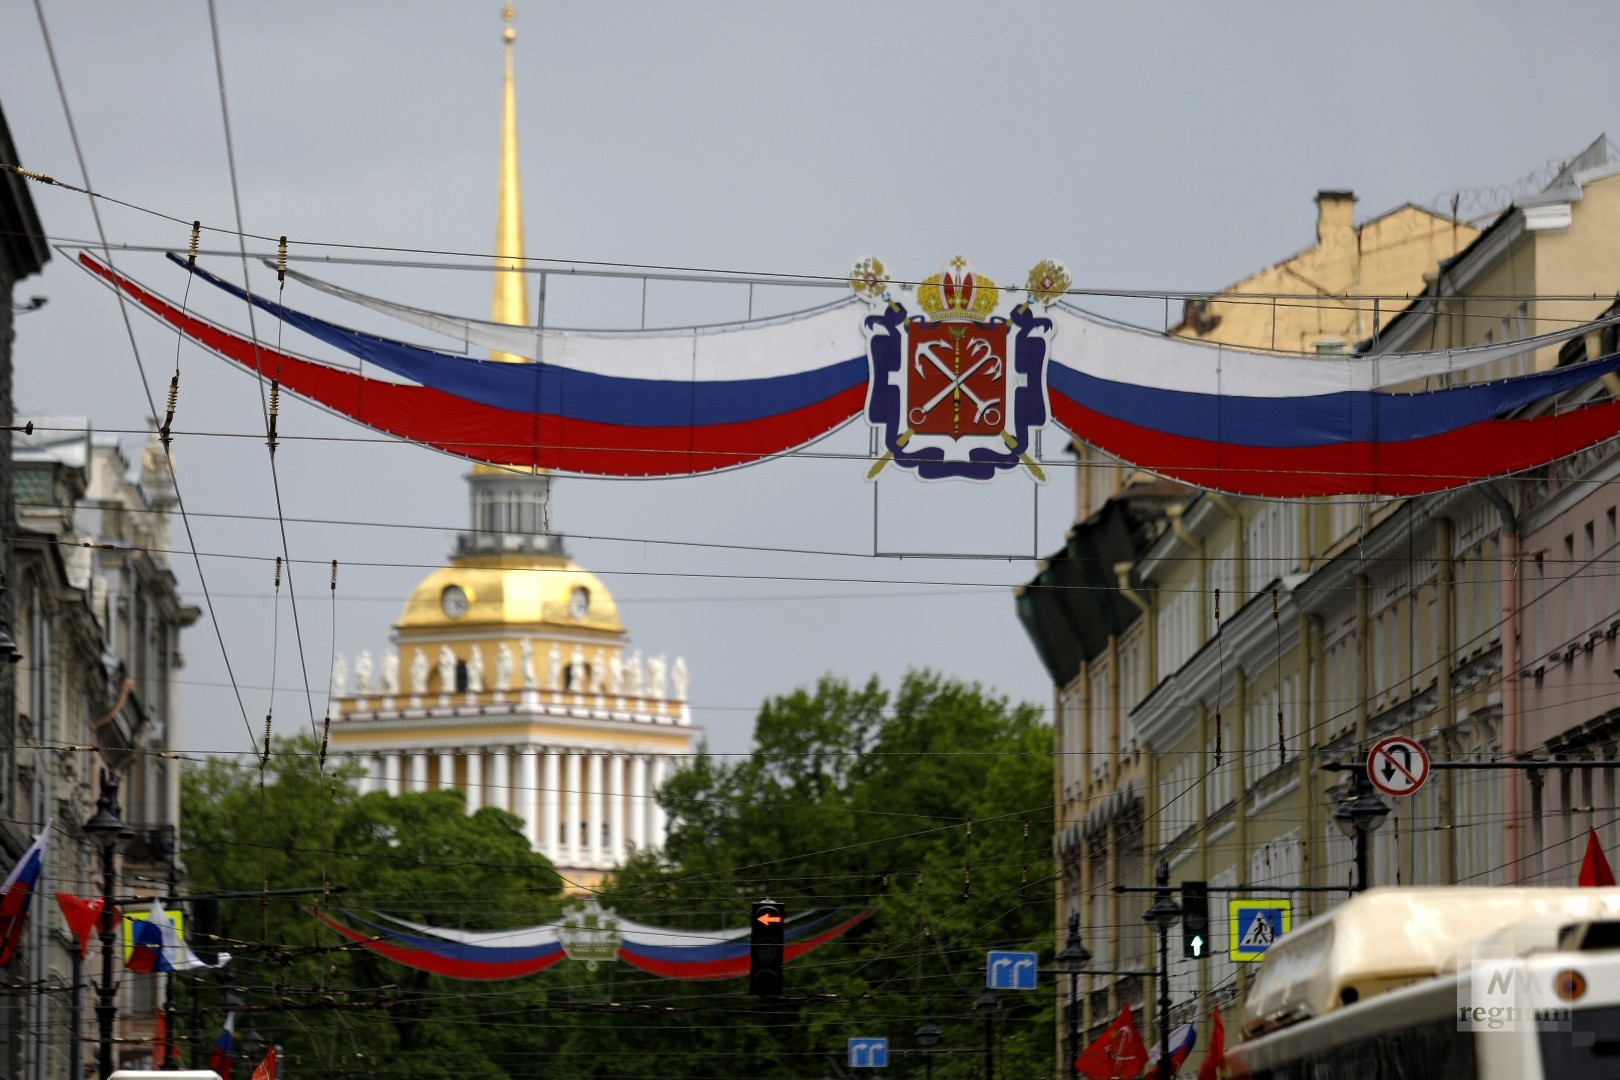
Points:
[[1073, 957], [985, 1005], [928, 1037], [109, 834], [1358, 817], [1163, 914]]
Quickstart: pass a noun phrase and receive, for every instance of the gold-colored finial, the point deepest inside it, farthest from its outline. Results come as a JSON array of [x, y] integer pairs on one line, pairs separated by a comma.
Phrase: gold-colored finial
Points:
[[509, 14], [510, 302]]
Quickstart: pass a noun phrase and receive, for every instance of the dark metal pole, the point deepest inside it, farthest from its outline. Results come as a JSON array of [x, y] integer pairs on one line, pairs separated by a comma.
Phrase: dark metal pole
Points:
[[169, 1008], [1362, 862], [76, 1019], [107, 992], [1165, 1070], [989, 1047], [1074, 1021]]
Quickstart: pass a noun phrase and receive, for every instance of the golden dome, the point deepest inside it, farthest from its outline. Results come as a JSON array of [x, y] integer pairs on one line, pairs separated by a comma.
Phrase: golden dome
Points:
[[519, 590]]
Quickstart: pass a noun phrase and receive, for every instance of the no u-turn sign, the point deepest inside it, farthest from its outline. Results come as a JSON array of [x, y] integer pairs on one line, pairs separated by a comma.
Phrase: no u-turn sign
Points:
[[1398, 765]]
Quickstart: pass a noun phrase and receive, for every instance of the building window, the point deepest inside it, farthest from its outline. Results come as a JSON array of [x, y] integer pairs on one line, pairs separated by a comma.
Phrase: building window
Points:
[[461, 676]]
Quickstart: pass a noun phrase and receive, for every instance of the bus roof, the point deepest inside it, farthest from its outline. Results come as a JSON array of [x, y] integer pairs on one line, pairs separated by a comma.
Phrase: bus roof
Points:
[[1386, 938]]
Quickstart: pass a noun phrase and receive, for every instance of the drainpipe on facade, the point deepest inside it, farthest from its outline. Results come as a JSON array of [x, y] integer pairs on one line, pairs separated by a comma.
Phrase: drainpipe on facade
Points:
[[1201, 711], [1445, 583], [1363, 656], [1195, 545], [1303, 757], [1240, 548], [1122, 573], [1112, 834], [1115, 742], [1240, 809], [1510, 679]]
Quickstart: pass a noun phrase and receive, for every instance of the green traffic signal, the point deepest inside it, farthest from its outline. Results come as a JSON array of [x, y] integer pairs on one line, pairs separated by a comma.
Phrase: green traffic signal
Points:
[[1195, 919]]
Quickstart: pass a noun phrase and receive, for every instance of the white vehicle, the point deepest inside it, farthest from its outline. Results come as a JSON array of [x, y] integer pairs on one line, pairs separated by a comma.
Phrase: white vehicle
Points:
[[1441, 984]]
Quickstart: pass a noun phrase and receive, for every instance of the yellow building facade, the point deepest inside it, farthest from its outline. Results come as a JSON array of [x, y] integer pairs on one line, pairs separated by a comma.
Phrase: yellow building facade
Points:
[[1274, 637], [509, 675], [1148, 668], [1344, 621]]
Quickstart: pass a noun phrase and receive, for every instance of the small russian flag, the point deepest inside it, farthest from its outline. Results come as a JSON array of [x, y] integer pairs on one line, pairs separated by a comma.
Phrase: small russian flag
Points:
[[220, 1060], [17, 892], [1182, 1041]]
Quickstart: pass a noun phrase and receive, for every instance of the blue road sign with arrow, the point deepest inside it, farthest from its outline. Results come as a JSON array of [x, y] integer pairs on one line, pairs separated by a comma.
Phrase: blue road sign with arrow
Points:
[[869, 1053], [1009, 970]]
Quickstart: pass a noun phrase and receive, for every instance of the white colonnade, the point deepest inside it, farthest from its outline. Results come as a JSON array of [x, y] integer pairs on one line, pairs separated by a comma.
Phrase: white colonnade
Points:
[[582, 807]]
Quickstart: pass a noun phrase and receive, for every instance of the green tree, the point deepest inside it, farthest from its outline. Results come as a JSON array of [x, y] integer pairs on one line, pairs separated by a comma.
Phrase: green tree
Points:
[[340, 1008], [930, 806]]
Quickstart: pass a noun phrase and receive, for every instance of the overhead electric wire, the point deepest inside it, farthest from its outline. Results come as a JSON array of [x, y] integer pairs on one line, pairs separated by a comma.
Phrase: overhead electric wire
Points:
[[267, 409], [559, 265], [140, 366]]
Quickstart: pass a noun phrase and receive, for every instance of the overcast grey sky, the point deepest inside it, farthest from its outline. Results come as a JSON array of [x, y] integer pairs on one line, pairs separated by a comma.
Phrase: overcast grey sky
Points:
[[1154, 146]]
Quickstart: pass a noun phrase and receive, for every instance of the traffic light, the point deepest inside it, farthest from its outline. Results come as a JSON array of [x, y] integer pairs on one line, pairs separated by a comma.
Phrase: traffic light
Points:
[[765, 949], [1195, 919]]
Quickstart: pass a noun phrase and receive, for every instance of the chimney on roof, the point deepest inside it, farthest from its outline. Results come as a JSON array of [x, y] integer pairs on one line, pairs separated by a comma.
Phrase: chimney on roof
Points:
[[1335, 217]]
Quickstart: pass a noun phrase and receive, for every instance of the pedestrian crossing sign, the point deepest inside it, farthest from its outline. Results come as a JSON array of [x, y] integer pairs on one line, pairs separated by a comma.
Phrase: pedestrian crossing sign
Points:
[[1256, 924]]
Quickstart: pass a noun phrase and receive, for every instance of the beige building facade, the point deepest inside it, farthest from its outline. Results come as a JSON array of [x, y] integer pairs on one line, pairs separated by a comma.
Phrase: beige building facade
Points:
[[1271, 638], [99, 619]]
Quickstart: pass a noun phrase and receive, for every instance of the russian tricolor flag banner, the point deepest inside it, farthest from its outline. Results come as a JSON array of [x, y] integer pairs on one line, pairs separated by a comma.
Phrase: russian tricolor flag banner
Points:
[[219, 1059], [153, 943], [488, 955], [1182, 1041], [17, 893], [955, 376]]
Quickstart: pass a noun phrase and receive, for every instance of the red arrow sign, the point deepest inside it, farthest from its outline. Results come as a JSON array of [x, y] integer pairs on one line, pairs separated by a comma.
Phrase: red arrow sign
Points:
[[767, 918]]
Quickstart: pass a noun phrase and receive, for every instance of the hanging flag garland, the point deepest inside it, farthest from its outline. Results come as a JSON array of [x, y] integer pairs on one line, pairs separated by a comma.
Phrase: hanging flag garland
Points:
[[954, 386], [589, 934]]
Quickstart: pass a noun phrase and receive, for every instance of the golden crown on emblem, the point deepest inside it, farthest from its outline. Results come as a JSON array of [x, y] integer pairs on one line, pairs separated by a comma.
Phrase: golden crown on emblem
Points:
[[958, 293]]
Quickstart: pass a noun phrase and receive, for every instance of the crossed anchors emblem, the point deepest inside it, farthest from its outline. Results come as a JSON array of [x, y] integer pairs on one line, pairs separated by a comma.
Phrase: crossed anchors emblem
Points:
[[958, 381], [985, 410]]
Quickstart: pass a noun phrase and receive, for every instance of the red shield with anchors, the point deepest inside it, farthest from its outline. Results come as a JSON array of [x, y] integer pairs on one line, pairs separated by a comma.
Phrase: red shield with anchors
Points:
[[956, 378]]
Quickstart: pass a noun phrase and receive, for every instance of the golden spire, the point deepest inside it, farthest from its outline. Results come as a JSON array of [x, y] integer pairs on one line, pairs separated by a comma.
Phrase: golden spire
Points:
[[510, 303]]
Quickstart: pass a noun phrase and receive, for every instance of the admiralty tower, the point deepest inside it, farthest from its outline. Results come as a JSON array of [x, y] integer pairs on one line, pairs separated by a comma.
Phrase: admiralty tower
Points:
[[509, 674]]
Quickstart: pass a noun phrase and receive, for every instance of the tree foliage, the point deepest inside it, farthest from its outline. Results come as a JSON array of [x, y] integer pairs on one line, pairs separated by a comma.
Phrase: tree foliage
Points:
[[929, 806], [420, 857]]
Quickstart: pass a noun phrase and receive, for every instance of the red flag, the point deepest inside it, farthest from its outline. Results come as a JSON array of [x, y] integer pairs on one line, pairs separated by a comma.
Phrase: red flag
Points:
[[267, 1067], [1595, 868], [1215, 1054], [1118, 1053], [81, 917], [160, 1039]]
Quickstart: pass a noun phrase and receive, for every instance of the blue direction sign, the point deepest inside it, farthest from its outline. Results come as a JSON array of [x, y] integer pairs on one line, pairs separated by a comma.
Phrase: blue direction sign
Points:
[[1009, 970], [869, 1053], [1256, 925]]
